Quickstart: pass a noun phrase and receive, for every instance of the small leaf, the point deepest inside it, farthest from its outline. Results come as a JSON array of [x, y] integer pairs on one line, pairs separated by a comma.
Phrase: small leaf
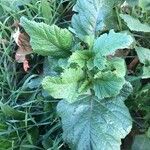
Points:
[[11, 112], [95, 124], [80, 57], [118, 66], [46, 11], [48, 40], [145, 5], [146, 71], [134, 24], [141, 142], [144, 56], [107, 84], [100, 62]]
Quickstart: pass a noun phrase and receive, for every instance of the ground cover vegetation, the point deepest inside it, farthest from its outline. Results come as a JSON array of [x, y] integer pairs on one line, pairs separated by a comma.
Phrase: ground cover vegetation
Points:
[[74, 74]]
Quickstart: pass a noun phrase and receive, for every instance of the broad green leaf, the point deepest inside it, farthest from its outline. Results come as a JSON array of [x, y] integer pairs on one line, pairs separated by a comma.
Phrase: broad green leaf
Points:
[[141, 142], [11, 112], [95, 124], [92, 15], [65, 86], [81, 57], [144, 56], [107, 44], [48, 40], [144, 4], [134, 24], [107, 84]]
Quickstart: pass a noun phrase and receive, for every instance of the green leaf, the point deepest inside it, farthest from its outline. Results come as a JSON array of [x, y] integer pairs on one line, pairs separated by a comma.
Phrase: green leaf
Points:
[[95, 124], [146, 71], [46, 11], [48, 40], [65, 86], [100, 62], [141, 142], [5, 144], [148, 133], [85, 86], [51, 66], [87, 22], [134, 24], [144, 4], [14, 4], [118, 66], [132, 2], [107, 44], [11, 112], [107, 84], [144, 56], [81, 57]]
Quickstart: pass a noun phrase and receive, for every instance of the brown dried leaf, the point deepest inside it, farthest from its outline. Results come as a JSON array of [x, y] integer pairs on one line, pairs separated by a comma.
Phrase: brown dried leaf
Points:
[[26, 65], [122, 52], [23, 42]]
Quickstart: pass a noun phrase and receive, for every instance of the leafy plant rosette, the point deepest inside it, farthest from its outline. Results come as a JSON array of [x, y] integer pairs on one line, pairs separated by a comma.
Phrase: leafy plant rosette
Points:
[[91, 83]]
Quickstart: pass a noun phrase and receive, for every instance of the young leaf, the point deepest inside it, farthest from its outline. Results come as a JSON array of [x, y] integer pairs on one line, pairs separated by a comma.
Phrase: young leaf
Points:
[[144, 56], [107, 84], [65, 86], [134, 24], [118, 66], [48, 40], [87, 22], [94, 124], [80, 57]]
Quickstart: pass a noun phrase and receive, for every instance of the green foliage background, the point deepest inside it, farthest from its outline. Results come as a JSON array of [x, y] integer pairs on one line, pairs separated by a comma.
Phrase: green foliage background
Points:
[[28, 117]]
